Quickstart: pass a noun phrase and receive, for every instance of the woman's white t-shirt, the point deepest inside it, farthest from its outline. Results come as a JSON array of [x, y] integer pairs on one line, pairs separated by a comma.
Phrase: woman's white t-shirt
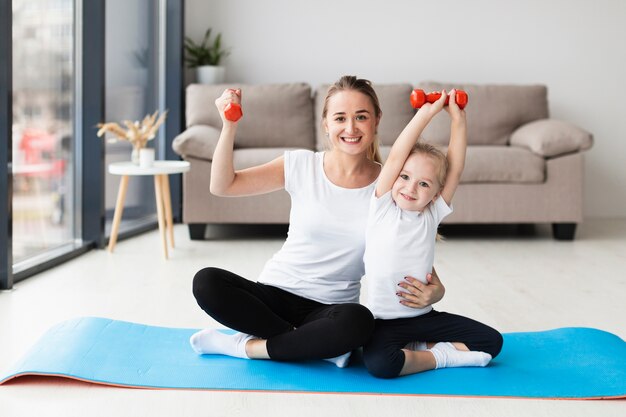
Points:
[[322, 258]]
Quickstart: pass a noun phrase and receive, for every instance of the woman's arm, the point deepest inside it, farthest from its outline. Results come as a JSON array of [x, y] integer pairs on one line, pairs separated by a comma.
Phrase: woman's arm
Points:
[[225, 181], [420, 295]]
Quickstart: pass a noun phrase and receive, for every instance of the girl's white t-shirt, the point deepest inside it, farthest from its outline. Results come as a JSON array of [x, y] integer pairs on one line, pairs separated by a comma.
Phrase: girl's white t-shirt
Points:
[[322, 258], [400, 243]]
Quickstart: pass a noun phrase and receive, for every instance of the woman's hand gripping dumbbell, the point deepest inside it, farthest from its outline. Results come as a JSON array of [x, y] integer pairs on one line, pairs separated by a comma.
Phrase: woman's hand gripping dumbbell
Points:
[[419, 98], [232, 110]]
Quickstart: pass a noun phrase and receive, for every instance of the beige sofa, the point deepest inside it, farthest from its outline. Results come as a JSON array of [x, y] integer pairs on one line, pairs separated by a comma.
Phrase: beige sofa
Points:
[[521, 167]]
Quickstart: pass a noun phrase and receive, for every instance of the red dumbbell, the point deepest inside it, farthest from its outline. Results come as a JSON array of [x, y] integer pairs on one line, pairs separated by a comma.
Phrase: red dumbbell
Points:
[[419, 98], [233, 112]]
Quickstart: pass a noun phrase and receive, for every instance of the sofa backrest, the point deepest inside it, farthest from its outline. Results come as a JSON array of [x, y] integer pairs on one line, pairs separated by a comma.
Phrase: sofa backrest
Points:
[[493, 112], [394, 102], [274, 115]]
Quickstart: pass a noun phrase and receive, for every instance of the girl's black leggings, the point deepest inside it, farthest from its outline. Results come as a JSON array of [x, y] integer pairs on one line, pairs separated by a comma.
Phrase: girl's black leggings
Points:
[[383, 355], [296, 328]]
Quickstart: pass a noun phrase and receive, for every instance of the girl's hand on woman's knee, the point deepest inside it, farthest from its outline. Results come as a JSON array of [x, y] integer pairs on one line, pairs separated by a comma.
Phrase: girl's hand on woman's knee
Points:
[[420, 295]]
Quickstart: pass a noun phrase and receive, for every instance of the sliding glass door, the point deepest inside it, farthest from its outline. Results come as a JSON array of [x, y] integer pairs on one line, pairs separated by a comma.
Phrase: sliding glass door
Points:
[[57, 82], [133, 89], [43, 134]]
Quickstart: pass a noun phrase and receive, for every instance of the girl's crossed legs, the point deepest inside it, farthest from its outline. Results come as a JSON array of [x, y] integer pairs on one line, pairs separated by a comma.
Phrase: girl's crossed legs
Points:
[[384, 356]]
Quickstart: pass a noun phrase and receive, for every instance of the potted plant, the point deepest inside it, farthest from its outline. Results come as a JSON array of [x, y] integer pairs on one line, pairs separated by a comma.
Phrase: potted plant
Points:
[[206, 57]]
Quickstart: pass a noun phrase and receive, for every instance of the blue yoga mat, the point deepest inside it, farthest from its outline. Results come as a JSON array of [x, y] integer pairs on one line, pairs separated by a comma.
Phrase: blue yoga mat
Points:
[[563, 363]]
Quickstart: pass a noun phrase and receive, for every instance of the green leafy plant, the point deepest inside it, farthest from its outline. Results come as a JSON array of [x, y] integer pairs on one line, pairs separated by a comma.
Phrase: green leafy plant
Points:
[[205, 53]]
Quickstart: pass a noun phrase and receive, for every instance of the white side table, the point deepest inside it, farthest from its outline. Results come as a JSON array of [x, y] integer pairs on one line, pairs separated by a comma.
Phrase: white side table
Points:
[[160, 170]]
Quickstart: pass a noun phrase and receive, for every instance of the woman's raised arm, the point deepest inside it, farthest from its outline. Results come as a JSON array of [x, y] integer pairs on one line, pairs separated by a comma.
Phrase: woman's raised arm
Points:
[[225, 181]]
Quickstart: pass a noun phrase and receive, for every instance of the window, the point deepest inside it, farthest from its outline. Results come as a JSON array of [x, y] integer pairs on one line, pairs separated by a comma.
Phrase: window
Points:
[[43, 135], [132, 91], [52, 94]]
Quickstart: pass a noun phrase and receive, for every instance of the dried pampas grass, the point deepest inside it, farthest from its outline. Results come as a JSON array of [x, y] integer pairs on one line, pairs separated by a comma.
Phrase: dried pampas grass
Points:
[[137, 133]]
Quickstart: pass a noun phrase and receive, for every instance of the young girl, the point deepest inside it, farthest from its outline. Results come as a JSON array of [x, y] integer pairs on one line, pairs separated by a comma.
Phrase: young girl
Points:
[[412, 196]]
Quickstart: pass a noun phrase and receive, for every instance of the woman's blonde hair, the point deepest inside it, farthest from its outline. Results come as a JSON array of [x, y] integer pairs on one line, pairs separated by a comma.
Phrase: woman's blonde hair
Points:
[[363, 86], [436, 155]]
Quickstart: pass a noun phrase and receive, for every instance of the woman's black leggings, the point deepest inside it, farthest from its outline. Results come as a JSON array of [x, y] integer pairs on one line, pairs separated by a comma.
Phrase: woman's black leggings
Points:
[[383, 355], [296, 328]]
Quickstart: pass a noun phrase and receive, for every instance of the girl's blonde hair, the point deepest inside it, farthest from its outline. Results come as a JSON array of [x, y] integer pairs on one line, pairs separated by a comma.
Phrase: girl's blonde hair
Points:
[[435, 154], [363, 86]]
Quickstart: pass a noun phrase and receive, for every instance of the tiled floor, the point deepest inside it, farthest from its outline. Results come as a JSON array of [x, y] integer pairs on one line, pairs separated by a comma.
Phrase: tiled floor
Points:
[[512, 282]]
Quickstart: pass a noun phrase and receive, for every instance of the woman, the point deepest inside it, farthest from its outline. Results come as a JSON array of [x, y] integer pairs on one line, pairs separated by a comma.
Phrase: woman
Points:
[[305, 303]]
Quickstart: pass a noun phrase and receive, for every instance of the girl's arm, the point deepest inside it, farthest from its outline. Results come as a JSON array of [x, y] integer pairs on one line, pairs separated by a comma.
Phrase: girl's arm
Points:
[[456, 149], [402, 146], [225, 181]]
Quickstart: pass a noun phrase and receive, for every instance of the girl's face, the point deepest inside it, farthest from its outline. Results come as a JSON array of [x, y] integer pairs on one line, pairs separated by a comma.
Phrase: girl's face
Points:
[[417, 185], [350, 122]]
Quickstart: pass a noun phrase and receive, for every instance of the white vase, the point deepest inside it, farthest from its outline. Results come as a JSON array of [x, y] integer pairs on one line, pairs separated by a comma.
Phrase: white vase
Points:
[[146, 157], [210, 74]]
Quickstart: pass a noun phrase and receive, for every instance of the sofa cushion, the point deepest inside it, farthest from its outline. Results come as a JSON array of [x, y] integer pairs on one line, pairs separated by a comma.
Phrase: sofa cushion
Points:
[[549, 137], [394, 102], [249, 157], [197, 141], [493, 111], [275, 115], [503, 164], [498, 164]]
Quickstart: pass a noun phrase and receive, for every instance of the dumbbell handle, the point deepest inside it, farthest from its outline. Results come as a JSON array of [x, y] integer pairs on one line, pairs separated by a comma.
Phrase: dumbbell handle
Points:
[[233, 112], [419, 98]]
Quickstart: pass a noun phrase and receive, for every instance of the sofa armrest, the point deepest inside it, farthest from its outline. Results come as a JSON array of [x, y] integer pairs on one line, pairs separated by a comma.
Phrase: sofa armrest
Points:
[[549, 137], [197, 141]]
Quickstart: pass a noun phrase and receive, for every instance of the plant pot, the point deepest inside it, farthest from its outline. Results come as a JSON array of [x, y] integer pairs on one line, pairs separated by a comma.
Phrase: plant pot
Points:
[[146, 157], [210, 74]]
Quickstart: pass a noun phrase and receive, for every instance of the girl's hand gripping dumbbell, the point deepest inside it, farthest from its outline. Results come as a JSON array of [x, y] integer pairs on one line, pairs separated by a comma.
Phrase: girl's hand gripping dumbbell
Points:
[[419, 98]]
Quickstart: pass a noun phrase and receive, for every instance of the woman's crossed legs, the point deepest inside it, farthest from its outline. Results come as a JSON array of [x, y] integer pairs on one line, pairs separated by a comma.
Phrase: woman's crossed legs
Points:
[[288, 327]]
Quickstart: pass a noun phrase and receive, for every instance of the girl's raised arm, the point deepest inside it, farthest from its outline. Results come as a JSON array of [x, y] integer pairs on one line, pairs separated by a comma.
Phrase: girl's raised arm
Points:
[[456, 149], [402, 146]]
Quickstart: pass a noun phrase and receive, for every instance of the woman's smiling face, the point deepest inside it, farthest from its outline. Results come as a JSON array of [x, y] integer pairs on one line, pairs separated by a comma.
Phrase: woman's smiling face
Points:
[[351, 122]]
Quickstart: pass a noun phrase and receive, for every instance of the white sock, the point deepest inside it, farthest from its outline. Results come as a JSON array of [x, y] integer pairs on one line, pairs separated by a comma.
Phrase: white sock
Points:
[[214, 342], [415, 346], [447, 356], [341, 361]]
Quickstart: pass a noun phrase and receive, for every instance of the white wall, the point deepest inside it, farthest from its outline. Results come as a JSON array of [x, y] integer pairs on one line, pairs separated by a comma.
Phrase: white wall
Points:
[[575, 47]]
